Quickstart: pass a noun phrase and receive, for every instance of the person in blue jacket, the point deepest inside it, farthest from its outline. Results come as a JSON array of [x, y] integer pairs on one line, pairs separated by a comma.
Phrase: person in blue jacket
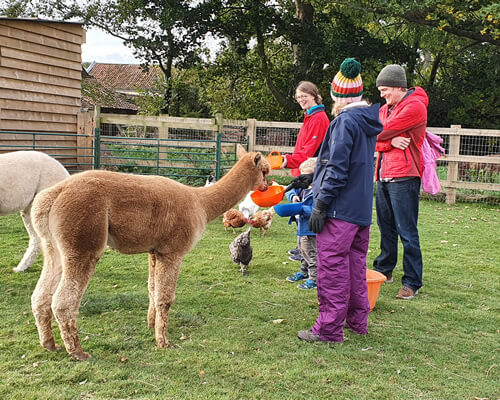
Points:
[[342, 213], [306, 238]]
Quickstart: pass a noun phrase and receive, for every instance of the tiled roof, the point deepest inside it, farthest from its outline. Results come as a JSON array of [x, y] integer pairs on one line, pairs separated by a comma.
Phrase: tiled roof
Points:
[[125, 76], [97, 94]]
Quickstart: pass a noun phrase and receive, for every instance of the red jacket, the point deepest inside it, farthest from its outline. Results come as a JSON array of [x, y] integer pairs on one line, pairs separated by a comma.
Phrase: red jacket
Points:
[[408, 119], [309, 139]]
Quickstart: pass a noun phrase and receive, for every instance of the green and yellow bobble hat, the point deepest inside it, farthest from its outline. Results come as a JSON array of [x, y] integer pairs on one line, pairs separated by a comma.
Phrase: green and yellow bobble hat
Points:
[[347, 85]]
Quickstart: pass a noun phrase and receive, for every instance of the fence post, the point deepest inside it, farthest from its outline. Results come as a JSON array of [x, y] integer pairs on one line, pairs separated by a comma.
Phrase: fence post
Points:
[[97, 148], [163, 130], [251, 133], [218, 156], [84, 140], [454, 150], [97, 117], [219, 122]]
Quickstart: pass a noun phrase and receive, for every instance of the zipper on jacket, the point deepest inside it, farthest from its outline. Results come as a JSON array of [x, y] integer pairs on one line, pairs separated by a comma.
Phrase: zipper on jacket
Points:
[[381, 166], [322, 179]]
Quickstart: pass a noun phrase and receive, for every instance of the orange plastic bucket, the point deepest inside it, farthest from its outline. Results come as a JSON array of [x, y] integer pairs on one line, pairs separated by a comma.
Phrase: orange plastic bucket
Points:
[[374, 280], [275, 159], [270, 197]]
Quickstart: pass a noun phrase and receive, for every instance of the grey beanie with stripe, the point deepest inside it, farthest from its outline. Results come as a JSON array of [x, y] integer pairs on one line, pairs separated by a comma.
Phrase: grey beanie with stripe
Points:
[[393, 76]]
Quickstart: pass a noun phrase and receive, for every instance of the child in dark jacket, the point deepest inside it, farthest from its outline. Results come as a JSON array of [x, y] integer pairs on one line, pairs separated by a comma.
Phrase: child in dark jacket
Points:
[[307, 238]]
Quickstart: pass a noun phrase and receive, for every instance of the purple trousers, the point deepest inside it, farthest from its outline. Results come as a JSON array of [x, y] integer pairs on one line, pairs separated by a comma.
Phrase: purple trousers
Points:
[[342, 289]]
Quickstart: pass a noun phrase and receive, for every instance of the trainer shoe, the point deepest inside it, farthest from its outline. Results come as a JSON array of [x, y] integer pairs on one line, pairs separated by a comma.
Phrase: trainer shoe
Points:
[[406, 293], [389, 278], [298, 276], [309, 284], [308, 336], [294, 252], [297, 257]]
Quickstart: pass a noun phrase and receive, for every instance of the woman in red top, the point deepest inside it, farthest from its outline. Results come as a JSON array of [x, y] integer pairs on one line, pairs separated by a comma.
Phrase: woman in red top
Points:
[[313, 130]]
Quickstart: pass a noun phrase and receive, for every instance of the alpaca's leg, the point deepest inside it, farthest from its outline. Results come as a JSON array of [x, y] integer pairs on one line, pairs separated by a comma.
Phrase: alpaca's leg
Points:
[[151, 291], [41, 298], [66, 301], [165, 275], [34, 245]]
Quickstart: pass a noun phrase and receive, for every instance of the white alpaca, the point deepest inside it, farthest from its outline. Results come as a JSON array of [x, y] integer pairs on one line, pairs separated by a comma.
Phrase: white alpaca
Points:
[[23, 174]]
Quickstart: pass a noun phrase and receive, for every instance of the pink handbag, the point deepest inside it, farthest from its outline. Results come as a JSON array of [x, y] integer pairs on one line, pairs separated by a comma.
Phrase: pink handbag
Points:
[[431, 151]]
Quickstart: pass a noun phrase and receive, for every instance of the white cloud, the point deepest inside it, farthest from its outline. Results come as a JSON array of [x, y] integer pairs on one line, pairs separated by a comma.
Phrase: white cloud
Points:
[[104, 48]]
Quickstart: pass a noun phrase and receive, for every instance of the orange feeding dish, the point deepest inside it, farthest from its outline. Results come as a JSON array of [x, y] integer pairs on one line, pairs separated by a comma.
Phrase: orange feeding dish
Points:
[[275, 159], [272, 196], [374, 280]]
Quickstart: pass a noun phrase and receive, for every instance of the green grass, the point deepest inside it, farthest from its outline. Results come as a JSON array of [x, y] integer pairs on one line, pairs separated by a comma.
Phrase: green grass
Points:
[[441, 345]]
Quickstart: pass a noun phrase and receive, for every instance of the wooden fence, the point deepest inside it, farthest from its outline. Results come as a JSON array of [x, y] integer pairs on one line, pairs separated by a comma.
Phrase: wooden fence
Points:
[[470, 167]]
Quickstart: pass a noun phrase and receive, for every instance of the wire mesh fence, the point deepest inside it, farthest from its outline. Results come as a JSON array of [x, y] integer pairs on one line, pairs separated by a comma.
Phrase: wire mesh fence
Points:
[[190, 150], [276, 136], [470, 169], [185, 159]]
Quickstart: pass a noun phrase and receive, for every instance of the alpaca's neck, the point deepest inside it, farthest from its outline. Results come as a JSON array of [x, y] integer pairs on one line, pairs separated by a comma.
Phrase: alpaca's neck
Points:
[[225, 193]]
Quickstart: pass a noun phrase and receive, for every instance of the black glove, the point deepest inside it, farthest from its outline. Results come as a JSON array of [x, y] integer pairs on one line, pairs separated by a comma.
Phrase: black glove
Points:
[[300, 182], [318, 217]]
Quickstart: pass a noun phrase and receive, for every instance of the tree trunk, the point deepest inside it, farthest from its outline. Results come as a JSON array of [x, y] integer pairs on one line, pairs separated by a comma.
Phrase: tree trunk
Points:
[[304, 13], [283, 100]]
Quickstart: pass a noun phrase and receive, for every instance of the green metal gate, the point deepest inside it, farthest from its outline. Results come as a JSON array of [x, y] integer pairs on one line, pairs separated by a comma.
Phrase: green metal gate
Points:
[[184, 160], [189, 161]]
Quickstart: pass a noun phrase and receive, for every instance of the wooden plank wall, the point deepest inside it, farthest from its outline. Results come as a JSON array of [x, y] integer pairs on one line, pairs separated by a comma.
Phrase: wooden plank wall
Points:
[[40, 81]]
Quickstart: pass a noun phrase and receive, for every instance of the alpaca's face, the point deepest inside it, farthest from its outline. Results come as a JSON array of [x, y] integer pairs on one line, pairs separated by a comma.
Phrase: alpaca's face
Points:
[[260, 163], [265, 168]]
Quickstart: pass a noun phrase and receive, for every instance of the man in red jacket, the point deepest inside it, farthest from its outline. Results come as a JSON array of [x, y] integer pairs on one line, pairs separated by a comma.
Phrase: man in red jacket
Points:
[[398, 172]]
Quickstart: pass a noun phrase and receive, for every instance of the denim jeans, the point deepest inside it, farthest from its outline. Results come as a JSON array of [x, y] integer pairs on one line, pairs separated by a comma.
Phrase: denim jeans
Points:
[[397, 214]]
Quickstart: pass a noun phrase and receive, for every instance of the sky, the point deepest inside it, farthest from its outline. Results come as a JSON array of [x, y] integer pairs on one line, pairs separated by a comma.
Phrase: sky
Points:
[[104, 48]]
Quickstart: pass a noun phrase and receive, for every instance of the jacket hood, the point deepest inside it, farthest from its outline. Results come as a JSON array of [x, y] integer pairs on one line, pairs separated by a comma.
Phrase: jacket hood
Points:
[[366, 115], [417, 93], [314, 110]]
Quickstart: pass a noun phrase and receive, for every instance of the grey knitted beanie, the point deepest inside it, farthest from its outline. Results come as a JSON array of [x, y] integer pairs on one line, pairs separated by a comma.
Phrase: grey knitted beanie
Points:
[[392, 75]]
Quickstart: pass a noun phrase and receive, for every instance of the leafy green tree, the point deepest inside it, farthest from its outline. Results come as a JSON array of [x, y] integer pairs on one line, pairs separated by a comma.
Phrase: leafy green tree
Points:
[[161, 32], [17, 8], [477, 20], [450, 47]]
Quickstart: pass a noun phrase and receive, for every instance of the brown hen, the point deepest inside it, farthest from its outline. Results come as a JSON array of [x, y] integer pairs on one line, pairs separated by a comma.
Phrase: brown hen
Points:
[[234, 219], [263, 220]]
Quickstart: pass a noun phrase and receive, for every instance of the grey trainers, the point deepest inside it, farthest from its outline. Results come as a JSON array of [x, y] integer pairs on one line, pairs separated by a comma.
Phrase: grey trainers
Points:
[[308, 336], [406, 293]]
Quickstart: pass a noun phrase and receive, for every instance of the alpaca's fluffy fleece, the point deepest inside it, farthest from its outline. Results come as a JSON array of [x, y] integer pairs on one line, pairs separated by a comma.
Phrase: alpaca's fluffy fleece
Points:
[[23, 174], [78, 217]]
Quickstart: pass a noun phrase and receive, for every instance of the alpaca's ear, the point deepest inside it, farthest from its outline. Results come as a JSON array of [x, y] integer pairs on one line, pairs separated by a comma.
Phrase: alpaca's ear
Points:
[[257, 158], [262, 163], [240, 151]]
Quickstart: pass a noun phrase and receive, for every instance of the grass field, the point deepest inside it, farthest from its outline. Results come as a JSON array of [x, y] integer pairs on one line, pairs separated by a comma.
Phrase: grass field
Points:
[[444, 344]]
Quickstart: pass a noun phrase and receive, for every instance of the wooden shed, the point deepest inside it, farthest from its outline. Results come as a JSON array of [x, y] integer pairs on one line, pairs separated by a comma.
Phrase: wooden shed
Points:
[[40, 82]]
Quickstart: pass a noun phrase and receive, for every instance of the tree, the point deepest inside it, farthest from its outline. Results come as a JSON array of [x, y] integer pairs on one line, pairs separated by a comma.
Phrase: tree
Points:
[[446, 46], [161, 32], [477, 20], [17, 8], [314, 37]]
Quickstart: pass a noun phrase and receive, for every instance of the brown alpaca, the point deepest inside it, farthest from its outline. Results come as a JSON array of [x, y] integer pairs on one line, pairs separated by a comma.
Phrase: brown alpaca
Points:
[[77, 218]]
